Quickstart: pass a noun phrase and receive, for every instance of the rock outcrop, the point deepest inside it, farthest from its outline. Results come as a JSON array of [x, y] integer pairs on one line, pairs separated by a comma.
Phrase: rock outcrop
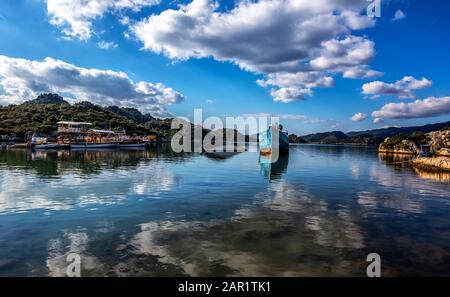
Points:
[[443, 152], [433, 164], [403, 147], [409, 144], [439, 140]]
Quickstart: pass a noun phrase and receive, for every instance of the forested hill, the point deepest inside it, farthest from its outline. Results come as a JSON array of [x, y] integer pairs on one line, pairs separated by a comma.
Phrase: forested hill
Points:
[[42, 114]]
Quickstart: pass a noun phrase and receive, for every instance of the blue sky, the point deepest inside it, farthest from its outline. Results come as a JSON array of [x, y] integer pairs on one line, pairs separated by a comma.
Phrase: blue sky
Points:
[[416, 45]]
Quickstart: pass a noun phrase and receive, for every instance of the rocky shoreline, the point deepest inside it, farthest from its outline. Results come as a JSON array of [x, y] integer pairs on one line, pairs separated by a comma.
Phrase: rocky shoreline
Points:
[[396, 152], [438, 141], [433, 164]]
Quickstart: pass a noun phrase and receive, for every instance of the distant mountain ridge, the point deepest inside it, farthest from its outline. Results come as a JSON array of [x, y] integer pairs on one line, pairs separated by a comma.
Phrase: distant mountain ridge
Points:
[[325, 137], [391, 131], [369, 137]]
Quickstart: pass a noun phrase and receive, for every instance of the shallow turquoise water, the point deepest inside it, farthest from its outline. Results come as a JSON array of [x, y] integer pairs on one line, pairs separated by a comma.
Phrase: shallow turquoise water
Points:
[[319, 212]]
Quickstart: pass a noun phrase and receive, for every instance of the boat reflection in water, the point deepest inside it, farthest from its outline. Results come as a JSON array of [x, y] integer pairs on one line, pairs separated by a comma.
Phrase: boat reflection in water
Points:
[[273, 168], [227, 151]]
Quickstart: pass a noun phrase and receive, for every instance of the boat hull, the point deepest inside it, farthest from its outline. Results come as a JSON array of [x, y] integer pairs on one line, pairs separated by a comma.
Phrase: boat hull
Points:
[[267, 145], [132, 145], [47, 146], [93, 145]]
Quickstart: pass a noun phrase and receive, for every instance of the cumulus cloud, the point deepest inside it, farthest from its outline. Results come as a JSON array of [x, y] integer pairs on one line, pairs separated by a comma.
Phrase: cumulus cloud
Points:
[[403, 88], [350, 51], [75, 17], [359, 117], [399, 15], [287, 95], [22, 79], [310, 80], [430, 107], [287, 84], [295, 44]]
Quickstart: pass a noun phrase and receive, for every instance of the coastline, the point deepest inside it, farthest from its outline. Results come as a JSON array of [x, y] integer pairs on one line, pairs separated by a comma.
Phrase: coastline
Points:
[[396, 152], [435, 164]]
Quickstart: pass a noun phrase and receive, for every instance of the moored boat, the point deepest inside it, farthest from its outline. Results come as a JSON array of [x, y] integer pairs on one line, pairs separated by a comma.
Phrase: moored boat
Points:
[[19, 146], [46, 146], [41, 143], [93, 145], [267, 143]]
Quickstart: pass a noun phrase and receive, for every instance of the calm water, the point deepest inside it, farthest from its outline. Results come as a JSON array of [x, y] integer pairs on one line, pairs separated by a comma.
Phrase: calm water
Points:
[[319, 212]]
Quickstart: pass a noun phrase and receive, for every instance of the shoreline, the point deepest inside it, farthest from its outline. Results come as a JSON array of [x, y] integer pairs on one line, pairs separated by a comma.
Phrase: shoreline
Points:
[[395, 152], [434, 164]]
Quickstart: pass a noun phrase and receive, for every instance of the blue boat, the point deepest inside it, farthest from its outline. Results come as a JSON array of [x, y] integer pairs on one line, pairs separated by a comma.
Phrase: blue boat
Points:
[[267, 145], [425, 151]]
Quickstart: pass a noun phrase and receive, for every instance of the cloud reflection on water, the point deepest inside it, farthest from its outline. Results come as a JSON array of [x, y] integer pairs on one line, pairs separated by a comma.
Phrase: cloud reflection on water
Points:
[[24, 192], [285, 233], [282, 223]]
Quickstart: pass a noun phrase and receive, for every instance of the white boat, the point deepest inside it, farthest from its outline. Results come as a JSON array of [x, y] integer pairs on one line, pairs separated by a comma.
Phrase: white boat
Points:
[[40, 143], [46, 146], [93, 145]]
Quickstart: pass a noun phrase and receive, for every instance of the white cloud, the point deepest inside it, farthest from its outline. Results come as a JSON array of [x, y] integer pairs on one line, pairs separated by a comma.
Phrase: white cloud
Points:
[[430, 107], [287, 95], [75, 17], [106, 45], [361, 72], [403, 88], [378, 121], [399, 15], [390, 126], [289, 117], [309, 80], [359, 117], [158, 111], [350, 51], [292, 39], [22, 79]]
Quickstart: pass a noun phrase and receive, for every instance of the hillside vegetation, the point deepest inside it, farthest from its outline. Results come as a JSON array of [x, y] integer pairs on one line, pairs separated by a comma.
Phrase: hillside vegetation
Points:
[[417, 138], [42, 114]]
